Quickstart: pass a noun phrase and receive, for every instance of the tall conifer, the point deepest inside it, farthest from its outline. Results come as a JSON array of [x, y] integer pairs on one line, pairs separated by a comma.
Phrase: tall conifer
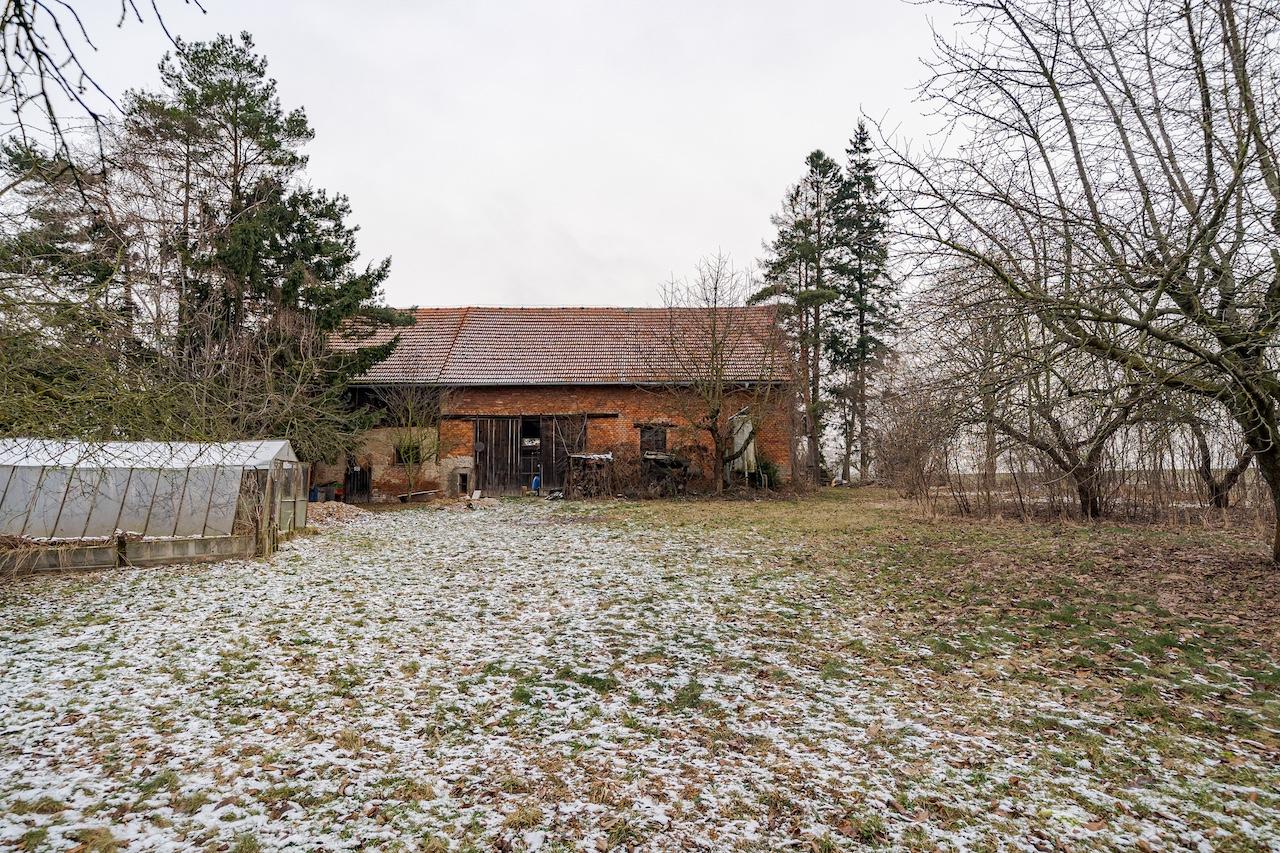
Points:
[[864, 313], [802, 268]]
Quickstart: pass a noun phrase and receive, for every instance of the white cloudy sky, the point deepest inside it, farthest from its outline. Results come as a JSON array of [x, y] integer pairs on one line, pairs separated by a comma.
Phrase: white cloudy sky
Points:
[[558, 151]]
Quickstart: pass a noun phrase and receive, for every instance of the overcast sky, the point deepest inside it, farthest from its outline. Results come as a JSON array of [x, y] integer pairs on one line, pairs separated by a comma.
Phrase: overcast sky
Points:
[[558, 152]]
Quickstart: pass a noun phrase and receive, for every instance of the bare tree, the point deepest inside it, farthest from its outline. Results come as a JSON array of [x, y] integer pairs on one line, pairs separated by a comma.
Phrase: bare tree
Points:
[[721, 360], [44, 78], [1030, 388], [413, 413], [1120, 178], [1218, 480], [920, 428]]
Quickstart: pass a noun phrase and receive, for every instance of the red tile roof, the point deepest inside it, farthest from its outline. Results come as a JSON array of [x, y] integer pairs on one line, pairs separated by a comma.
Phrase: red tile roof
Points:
[[572, 346]]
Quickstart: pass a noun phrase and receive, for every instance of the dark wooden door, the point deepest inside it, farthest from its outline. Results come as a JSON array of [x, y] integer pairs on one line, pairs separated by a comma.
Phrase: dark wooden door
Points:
[[560, 437], [357, 483], [497, 449]]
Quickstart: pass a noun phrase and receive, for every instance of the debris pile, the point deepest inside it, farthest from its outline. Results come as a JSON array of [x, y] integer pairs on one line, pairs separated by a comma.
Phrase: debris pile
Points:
[[16, 543], [329, 515]]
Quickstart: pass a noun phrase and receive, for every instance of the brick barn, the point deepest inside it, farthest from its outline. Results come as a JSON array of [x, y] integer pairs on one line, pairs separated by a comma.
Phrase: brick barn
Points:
[[519, 390]]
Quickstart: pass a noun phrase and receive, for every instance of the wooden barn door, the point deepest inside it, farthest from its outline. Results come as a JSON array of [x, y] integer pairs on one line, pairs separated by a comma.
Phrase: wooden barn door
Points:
[[497, 448], [357, 482], [560, 437]]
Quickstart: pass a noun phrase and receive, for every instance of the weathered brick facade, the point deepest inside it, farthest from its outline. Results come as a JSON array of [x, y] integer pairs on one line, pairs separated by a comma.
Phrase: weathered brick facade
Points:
[[389, 477], [613, 413], [522, 384]]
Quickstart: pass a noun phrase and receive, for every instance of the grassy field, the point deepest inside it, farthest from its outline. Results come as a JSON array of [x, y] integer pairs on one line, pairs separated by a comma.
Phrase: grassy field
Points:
[[1159, 643], [823, 674]]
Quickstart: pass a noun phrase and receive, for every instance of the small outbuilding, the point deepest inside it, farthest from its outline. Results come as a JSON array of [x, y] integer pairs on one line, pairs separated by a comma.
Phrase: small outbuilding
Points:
[[138, 503]]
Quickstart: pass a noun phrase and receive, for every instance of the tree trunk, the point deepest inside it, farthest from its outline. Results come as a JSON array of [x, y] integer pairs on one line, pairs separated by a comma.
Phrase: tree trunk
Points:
[[864, 450], [720, 445], [1269, 466], [864, 454], [1219, 488], [989, 466], [808, 381], [864, 434], [815, 391], [1089, 493]]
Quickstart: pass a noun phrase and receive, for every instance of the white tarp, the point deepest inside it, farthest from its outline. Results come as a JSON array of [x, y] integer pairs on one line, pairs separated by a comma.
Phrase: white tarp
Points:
[[742, 431]]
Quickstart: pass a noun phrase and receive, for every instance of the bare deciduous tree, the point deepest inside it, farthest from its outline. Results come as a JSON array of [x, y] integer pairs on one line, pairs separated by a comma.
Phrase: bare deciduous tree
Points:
[[920, 427], [1028, 387], [720, 358], [1120, 179], [1218, 480], [413, 413], [43, 77]]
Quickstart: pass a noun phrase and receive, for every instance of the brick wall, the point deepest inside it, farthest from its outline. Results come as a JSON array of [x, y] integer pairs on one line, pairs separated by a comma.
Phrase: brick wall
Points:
[[614, 414], [389, 478]]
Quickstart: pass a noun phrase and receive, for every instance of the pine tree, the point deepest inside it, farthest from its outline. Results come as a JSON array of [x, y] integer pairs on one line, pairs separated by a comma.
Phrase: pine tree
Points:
[[864, 313], [802, 268], [267, 265], [200, 218]]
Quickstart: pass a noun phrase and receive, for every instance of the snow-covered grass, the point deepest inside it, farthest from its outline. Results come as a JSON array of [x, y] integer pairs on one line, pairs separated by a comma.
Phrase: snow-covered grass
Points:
[[610, 676]]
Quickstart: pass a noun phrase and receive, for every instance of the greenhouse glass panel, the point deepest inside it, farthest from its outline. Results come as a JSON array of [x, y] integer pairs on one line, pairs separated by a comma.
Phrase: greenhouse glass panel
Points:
[[48, 503], [9, 497], [224, 497], [108, 502], [170, 487], [300, 500], [18, 498], [82, 495], [137, 501], [195, 502]]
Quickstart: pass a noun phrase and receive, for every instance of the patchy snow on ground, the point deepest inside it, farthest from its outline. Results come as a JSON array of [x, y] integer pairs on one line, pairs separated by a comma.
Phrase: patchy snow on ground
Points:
[[536, 677]]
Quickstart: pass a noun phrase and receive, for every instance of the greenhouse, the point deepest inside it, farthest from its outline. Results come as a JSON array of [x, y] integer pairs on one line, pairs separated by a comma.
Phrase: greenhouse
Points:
[[148, 502]]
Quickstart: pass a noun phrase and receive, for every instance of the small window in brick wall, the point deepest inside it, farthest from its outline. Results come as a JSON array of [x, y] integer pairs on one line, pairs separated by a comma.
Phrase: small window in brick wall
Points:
[[653, 438], [408, 453]]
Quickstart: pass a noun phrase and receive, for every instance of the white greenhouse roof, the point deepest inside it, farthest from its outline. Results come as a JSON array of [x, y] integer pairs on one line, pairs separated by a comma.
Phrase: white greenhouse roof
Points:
[[53, 489], [56, 453]]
